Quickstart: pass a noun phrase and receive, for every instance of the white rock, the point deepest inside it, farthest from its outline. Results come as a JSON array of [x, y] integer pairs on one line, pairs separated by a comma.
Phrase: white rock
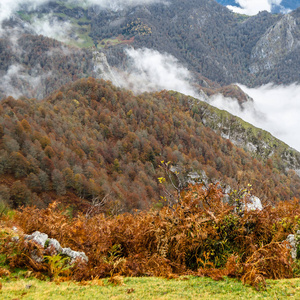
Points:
[[55, 243], [254, 203], [293, 243], [38, 237], [74, 254]]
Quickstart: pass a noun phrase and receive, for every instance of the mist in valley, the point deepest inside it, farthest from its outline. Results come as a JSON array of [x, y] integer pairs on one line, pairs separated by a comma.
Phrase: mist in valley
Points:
[[274, 108]]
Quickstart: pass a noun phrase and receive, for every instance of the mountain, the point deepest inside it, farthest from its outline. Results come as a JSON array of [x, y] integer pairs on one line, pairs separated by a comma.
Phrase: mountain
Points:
[[35, 66], [204, 36], [90, 139], [87, 139]]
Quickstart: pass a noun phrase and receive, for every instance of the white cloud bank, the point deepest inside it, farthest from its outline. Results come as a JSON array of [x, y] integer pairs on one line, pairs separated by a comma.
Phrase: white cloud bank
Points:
[[9, 7], [51, 27], [275, 109], [253, 7], [118, 3], [149, 71]]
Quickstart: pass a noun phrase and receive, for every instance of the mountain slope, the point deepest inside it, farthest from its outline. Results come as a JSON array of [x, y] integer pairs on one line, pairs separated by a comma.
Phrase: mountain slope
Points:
[[203, 35], [35, 66], [91, 139]]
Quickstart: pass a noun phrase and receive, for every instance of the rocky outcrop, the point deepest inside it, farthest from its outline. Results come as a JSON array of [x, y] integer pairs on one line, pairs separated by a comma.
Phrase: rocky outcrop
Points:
[[74, 255], [101, 67], [293, 242], [37, 237], [278, 42], [254, 203], [53, 246], [259, 143]]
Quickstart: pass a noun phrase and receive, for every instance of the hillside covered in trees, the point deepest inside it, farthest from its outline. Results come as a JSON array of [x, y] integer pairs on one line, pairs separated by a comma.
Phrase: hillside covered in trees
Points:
[[34, 65], [205, 36], [90, 140]]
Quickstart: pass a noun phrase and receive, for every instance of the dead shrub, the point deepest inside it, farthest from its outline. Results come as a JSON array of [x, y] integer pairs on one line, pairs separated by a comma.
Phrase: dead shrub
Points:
[[175, 240]]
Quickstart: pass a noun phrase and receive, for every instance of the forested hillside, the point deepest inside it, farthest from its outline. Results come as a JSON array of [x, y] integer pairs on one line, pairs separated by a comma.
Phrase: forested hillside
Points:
[[203, 35], [34, 66], [91, 139]]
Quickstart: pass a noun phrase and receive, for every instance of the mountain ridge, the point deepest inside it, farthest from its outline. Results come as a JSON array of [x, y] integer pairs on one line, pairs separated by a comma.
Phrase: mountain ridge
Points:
[[223, 55], [90, 139]]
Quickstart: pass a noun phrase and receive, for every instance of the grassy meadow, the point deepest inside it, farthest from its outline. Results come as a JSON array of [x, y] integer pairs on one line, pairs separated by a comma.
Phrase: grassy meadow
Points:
[[148, 288]]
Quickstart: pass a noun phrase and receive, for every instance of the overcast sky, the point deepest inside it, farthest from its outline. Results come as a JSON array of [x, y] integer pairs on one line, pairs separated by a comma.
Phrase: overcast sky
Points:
[[252, 7]]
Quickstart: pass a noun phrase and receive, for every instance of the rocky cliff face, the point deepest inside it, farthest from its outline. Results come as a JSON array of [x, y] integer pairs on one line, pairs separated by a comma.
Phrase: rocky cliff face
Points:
[[277, 43]]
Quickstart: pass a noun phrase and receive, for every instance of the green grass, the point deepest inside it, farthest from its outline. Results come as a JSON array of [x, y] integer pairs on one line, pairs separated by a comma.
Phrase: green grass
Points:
[[82, 31], [111, 41], [149, 288], [26, 16]]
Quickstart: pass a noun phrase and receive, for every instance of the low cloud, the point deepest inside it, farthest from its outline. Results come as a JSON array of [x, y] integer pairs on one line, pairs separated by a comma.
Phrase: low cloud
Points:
[[51, 27], [116, 4], [17, 82], [9, 7], [275, 109], [252, 7], [149, 70]]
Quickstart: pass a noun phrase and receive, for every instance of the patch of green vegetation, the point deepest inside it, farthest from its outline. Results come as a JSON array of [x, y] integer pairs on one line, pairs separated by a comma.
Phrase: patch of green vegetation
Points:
[[74, 21], [81, 27], [70, 5], [84, 40], [109, 42], [149, 288], [241, 17], [26, 16]]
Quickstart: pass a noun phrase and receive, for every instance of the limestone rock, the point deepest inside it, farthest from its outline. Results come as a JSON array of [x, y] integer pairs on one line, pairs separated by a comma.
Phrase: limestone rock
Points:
[[74, 255], [293, 242], [38, 237], [254, 203], [42, 238], [55, 243]]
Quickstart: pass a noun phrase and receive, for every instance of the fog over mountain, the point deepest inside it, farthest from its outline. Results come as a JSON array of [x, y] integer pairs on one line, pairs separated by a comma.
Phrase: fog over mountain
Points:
[[158, 55], [8, 7], [275, 109], [149, 70], [252, 7], [103, 91]]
